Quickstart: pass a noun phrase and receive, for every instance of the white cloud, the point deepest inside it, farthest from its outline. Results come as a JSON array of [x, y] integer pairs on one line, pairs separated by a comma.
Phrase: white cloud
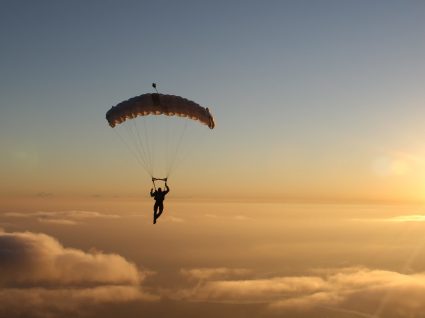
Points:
[[174, 219], [38, 258], [242, 218], [407, 218], [255, 290], [394, 219], [57, 221], [359, 291], [216, 272], [47, 302], [72, 217], [37, 271]]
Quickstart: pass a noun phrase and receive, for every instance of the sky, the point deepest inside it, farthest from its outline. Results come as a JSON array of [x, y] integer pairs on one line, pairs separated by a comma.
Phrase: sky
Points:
[[312, 100], [306, 199]]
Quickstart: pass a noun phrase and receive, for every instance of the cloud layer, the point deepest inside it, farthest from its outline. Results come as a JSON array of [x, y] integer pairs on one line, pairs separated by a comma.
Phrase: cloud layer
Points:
[[37, 272], [355, 291], [72, 217]]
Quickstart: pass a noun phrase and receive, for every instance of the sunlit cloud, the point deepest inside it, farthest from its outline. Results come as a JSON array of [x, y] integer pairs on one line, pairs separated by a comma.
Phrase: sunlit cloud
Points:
[[359, 291], [27, 257], [239, 217], [374, 292], [174, 219], [394, 219], [37, 272], [210, 273], [407, 218], [257, 290], [202, 277], [47, 302], [18, 214], [57, 221], [242, 218], [72, 217]]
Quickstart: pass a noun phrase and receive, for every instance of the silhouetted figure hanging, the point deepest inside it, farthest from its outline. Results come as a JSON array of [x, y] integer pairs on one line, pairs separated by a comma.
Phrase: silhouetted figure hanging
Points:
[[159, 197]]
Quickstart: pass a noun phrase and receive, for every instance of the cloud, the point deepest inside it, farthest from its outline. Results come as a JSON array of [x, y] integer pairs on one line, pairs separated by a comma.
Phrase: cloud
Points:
[[239, 217], [394, 219], [375, 292], [242, 218], [210, 273], [46, 302], [57, 221], [72, 217], [36, 270], [38, 258], [356, 291], [257, 290], [17, 214], [174, 219], [407, 218]]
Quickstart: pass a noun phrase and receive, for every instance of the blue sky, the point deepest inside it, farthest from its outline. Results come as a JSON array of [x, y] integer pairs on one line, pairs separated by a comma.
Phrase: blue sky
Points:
[[299, 89]]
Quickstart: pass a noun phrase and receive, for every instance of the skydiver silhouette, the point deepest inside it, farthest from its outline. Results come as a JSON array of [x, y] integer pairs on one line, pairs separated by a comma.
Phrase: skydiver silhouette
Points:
[[159, 197]]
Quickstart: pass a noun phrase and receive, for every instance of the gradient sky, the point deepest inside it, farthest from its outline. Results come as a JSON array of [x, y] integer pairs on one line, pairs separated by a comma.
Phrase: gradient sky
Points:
[[313, 99], [319, 108]]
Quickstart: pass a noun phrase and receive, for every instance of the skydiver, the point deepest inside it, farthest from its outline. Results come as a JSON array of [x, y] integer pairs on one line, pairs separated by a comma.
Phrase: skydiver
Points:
[[159, 197]]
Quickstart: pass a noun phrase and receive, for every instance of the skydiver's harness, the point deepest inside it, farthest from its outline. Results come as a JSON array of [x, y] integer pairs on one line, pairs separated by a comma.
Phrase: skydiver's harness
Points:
[[158, 179]]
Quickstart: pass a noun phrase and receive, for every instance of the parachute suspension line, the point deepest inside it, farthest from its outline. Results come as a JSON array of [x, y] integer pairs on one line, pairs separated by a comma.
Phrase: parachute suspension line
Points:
[[143, 147], [188, 151], [174, 158], [147, 132], [158, 179], [167, 149], [150, 141], [132, 135], [137, 150], [144, 142], [132, 151]]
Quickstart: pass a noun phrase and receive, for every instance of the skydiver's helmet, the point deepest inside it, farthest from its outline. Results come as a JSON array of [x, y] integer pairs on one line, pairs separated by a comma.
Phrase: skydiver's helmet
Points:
[[159, 190]]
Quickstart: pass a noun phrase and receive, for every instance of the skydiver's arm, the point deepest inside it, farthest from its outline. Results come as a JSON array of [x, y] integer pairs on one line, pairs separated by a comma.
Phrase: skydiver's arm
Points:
[[167, 188], [152, 193]]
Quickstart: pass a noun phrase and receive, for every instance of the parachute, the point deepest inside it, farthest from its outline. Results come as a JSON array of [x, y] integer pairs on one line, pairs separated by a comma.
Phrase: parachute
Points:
[[153, 127], [158, 104]]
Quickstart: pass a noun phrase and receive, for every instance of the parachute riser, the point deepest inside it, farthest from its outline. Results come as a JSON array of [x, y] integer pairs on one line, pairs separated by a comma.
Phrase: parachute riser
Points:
[[158, 179]]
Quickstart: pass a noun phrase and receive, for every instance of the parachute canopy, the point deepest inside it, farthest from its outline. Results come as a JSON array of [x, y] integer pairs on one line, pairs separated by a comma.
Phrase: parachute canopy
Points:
[[157, 142], [159, 104]]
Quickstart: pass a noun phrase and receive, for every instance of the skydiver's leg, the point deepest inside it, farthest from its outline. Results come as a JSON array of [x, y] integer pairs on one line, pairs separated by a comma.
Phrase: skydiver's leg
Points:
[[161, 208], [155, 210]]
